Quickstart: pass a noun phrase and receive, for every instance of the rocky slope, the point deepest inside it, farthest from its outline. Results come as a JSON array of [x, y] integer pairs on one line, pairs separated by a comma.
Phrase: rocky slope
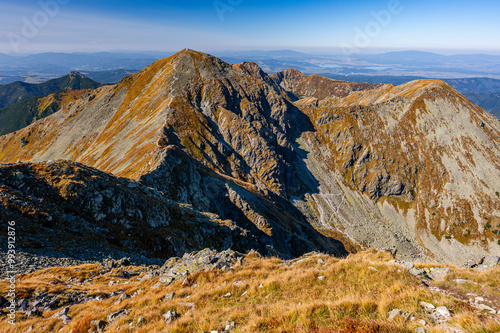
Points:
[[57, 204], [24, 113], [414, 166]]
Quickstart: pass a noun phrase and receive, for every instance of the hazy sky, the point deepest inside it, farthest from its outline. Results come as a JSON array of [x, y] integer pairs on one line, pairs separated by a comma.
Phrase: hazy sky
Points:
[[147, 25]]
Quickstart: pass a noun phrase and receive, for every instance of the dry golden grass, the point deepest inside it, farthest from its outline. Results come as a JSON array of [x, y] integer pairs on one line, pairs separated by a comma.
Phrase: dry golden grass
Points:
[[355, 296]]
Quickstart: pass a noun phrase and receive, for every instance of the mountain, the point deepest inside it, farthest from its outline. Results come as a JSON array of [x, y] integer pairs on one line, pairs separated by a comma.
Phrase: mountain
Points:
[[482, 91], [415, 166], [22, 114], [488, 101], [317, 86], [59, 63], [19, 91]]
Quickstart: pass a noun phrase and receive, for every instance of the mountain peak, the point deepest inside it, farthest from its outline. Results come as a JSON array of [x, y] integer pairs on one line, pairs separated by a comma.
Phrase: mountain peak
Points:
[[76, 74]]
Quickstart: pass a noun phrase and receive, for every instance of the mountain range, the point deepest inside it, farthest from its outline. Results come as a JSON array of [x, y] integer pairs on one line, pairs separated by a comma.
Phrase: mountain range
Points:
[[193, 152], [19, 91], [21, 103]]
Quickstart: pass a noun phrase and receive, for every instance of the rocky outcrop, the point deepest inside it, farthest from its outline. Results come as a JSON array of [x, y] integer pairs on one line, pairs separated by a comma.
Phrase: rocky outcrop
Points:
[[59, 204]]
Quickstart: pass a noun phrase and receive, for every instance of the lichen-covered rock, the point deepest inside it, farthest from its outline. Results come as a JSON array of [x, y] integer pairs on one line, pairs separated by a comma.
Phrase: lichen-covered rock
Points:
[[178, 268]]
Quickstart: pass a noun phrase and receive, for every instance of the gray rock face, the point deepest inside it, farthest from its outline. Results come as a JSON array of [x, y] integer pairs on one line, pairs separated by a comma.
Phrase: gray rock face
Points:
[[439, 273], [63, 315], [139, 222], [393, 314], [489, 262], [99, 325], [170, 316], [117, 314], [178, 268]]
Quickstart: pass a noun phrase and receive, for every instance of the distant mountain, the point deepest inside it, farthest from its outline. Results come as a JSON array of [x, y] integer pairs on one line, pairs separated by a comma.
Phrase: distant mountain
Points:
[[22, 114], [111, 76], [10, 79], [60, 63], [263, 54], [19, 91], [482, 91], [488, 101], [420, 57]]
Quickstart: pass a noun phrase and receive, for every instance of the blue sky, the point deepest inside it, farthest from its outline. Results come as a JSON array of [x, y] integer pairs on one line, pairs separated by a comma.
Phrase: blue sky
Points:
[[326, 26]]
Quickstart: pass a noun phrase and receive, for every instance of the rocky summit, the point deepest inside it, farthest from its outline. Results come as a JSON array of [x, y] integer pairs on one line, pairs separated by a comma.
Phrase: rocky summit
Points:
[[193, 152]]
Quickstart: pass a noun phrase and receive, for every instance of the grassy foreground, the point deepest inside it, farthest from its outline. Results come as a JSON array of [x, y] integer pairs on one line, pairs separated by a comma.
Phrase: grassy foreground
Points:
[[316, 293]]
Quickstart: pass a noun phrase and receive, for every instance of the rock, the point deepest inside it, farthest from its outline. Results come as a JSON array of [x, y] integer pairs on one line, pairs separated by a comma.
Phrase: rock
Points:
[[185, 282], [443, 311], [462, 281], [489, 262], [23, 304], [230, 327], [422, 322], [321, 261], [427, 306], [226, 295], [393, 314], [123, 297], [416, 272], [169, 297], [117, 314], [407, 265], [406, 315], [188, 304], [100, 325], [175, 269], [63, 315], [239, 283], [451, 329], [140, 322], [170, 316], [321, 278], [439, 273], [167, 280], [419, 330], [485, 307], [33, 313]]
